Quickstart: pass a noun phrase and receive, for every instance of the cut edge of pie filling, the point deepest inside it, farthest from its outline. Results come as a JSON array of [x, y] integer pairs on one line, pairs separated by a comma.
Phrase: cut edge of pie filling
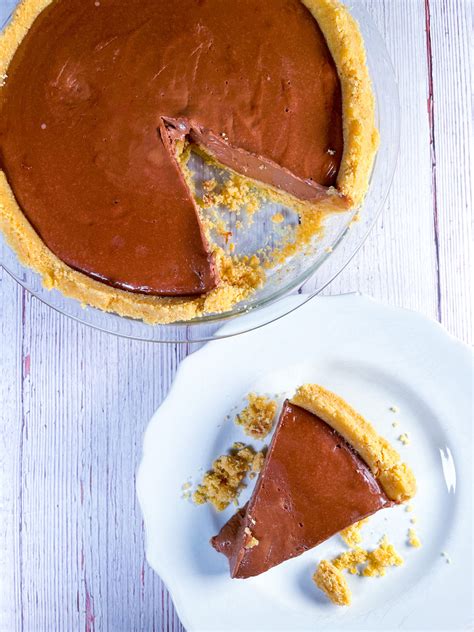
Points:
[[326, 469], [254, 179]]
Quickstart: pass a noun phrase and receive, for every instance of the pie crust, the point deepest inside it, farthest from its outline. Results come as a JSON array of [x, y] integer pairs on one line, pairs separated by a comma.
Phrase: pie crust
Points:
[[237, 280], [395, 477]]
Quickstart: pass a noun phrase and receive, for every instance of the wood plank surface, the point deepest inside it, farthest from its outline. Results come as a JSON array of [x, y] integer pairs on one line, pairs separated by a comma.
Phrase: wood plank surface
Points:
[[74, 402]]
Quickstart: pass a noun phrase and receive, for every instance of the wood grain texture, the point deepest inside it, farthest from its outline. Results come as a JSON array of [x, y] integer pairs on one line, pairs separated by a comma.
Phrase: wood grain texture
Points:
[[74, 402], [397, 264], [449, 35]]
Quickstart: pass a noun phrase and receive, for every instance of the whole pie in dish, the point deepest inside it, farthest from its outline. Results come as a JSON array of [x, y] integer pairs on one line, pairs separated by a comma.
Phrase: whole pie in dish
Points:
[[100, 101], [326, 469]]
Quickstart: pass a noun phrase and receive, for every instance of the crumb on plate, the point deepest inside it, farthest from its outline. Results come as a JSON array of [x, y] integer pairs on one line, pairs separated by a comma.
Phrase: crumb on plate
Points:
[[413, 539], [258, 416], [224, 482], [404, 438], [381, 558], [351, 535], [333, 583]]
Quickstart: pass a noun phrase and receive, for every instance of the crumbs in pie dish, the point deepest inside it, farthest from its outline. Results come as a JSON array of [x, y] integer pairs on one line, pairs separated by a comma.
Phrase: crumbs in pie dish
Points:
[[352, 535]]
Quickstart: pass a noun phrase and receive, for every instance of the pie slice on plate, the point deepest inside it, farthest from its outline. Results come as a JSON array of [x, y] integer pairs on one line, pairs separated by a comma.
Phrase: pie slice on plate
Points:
[[326, 469]]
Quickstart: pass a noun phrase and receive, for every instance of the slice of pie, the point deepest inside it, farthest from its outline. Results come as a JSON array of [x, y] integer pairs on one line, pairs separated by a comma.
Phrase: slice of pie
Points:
[[326, 469], [98, 100]]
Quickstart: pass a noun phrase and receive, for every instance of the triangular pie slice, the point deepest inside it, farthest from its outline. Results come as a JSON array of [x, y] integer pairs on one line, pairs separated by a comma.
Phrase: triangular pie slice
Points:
[[326, 469]]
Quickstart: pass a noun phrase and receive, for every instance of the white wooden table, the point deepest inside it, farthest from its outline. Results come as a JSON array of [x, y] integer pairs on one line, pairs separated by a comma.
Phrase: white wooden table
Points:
[[74, 402]]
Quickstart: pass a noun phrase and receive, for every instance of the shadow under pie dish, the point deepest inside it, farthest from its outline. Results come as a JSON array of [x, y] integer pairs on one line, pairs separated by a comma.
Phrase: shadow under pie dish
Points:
[[95, 127]]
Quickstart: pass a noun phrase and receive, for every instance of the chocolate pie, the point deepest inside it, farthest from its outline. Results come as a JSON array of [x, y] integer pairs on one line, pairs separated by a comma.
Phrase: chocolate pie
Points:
[[98, 101], [326, 469]]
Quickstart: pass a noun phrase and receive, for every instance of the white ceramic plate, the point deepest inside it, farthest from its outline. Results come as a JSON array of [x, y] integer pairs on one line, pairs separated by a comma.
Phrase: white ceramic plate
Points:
[[375, 357]]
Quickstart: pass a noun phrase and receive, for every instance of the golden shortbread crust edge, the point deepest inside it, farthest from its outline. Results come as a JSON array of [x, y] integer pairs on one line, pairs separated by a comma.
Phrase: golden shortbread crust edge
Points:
[[345, 42], [361, 137], [396, 478]]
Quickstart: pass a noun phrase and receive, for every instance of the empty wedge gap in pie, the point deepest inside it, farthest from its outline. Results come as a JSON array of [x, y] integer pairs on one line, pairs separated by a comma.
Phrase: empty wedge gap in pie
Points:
[[96, 201]]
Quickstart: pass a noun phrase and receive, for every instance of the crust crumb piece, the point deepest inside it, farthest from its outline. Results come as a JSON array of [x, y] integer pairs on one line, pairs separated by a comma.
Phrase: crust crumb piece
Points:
[[376, 561], [381, 558], [350, 560], [413, 539], [329, 575], [209, 185], [333, 583], [224, 482], [237, 193], [277, 218], [258, 416], [351, 535], [251, 541], [257, 462], [404, 438]]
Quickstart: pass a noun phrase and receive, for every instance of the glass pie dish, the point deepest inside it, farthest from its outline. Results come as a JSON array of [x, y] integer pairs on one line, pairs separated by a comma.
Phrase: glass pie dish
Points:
[[330, 252]]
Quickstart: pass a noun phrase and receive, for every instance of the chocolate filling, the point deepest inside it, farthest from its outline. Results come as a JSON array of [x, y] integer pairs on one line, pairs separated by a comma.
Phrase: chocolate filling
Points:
[[252, 81], [313, 485]]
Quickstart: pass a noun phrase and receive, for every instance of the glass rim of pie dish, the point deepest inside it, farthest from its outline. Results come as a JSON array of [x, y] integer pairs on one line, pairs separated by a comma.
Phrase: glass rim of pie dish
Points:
[[334, 258]]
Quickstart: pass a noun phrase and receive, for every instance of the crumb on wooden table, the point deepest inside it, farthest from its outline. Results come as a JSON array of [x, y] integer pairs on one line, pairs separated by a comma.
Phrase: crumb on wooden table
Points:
[[224, 482], [333, 583], [258, 416], [351, 535]]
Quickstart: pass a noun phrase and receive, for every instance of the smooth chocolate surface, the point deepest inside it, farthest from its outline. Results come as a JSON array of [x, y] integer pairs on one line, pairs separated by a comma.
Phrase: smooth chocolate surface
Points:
[[313, 485], [82, 124]]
